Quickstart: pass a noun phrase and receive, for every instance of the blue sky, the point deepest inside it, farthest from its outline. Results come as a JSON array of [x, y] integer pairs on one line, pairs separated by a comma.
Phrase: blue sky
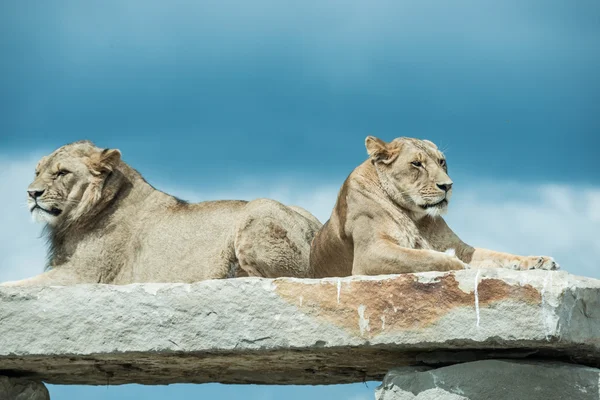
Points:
[[235, 99]]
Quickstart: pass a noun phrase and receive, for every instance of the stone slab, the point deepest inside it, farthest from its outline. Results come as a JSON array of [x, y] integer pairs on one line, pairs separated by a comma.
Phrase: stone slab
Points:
[[293, 331]]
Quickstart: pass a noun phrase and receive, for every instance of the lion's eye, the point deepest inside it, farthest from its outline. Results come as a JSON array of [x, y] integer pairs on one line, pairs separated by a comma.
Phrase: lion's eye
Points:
[[417, 163], [62, 172], [443, 162]]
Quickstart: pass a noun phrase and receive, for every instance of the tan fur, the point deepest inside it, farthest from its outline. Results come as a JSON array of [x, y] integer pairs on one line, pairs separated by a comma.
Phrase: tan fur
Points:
[[387, 219], [113, 227]]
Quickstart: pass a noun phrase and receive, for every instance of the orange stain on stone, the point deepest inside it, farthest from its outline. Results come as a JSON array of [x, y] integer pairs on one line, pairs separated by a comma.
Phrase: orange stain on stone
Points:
[[398, 303]]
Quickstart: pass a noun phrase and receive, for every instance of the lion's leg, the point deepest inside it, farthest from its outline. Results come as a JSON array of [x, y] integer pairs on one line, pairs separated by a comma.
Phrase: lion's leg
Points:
[[387, 258], [55, 277], [273, 240], [483, 258]]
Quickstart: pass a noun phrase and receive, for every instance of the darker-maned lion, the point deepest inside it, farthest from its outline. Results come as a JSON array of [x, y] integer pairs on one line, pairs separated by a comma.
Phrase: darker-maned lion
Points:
[[106, 224]]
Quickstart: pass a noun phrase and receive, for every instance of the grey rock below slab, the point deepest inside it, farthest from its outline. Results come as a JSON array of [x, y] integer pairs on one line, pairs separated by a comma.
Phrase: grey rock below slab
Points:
[[494, 380], [22, 389], [294, 331]]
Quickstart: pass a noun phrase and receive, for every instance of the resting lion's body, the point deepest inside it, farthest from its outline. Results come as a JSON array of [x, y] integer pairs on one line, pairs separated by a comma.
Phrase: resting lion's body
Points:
[[106, 224], [387, 219]]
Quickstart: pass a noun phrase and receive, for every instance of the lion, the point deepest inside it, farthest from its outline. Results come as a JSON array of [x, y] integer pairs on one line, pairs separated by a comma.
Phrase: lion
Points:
[[388, 219], [106, 224]]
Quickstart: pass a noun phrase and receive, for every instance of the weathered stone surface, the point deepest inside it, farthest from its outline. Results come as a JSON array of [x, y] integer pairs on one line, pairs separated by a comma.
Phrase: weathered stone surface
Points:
[[295, 331], [493, 380], [22, 389]]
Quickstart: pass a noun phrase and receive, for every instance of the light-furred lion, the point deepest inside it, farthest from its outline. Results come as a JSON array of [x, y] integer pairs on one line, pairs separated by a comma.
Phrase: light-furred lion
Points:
[[106, 224], [387, 219]]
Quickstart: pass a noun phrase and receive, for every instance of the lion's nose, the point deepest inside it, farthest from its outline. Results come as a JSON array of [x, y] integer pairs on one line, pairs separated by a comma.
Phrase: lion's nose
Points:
[[444, 186], [34, 194]]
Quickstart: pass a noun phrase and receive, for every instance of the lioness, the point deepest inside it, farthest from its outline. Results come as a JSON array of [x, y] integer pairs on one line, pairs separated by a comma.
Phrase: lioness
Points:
[[387, 219], [106, 224]]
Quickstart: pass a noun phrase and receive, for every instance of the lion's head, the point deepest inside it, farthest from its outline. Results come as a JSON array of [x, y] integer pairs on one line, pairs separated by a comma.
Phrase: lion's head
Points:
[[69, 182], [413, 173]]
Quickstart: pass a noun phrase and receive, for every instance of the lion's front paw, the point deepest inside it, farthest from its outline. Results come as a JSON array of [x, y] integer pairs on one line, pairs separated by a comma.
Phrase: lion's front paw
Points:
[[542, 262], [455, 263]]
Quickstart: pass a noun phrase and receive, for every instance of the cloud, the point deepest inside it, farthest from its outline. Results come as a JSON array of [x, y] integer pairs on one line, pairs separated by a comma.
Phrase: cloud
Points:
[[22, 249], [318, 199], [557, 220], [544, 219]]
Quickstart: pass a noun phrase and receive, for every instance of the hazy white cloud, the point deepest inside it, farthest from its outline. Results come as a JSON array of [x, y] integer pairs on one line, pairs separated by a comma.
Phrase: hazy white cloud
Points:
[[556, 220], [551, 219], [318, 199], [22, 249]]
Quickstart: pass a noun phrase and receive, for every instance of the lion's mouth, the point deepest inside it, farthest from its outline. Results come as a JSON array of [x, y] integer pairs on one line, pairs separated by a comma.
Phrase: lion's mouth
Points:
[[52, 211], [440, 204]]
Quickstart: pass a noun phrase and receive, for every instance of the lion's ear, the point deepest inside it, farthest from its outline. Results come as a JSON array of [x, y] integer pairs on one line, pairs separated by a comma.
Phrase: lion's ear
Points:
[[106, 160], [380, 151]]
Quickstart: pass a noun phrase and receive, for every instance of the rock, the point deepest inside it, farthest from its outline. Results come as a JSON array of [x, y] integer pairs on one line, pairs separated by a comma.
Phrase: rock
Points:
[[494, 380], [22, 389], [293, 331]]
